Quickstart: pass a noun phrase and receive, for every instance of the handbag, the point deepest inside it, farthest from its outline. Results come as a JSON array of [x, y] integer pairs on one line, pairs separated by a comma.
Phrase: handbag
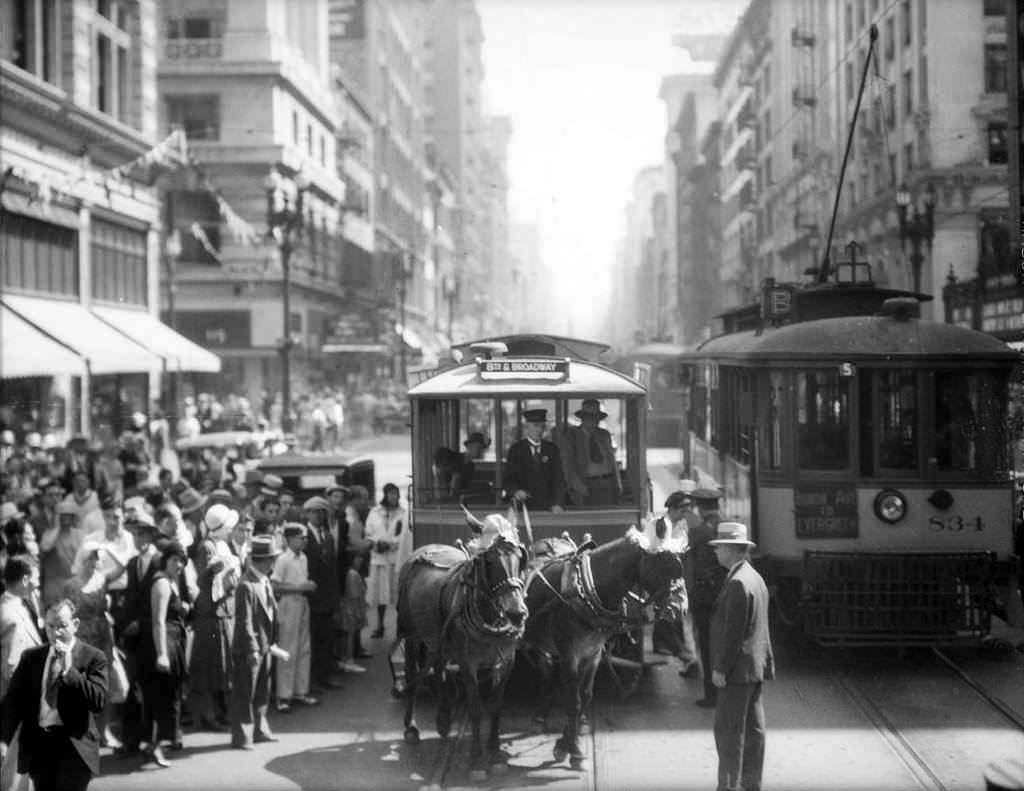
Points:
[[117, 678]]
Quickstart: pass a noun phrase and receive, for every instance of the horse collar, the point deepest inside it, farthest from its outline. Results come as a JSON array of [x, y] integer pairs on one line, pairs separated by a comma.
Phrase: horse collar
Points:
[[586, 590]]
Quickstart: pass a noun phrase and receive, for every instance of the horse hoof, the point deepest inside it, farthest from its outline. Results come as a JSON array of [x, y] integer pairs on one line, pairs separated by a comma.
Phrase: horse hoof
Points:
[[412, 735], [478, 775], [578, 762], [499, 769]]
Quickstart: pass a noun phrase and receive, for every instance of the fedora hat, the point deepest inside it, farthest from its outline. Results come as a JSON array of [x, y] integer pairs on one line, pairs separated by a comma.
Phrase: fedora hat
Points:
[[191, 500], [535, 415], [677, 499], [706, 494], [477, 436], [734, 533], [263, 547], [591, 406]]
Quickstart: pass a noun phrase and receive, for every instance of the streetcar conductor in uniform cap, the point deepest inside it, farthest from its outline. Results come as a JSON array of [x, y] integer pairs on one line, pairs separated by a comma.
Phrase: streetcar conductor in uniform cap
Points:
[[534, 467], [741, 661]]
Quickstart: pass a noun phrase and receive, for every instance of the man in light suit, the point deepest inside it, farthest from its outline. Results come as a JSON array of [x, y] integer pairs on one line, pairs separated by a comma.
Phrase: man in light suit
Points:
[[253, 647], [19, 630], [592, 473], [55, 694], [741, 660]]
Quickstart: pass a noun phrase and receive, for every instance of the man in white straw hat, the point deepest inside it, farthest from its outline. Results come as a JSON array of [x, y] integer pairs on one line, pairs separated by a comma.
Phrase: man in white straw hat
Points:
[[741, 660]]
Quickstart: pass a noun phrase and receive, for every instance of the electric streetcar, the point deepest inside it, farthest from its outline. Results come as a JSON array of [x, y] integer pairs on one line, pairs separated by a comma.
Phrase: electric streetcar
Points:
[[867, 449]]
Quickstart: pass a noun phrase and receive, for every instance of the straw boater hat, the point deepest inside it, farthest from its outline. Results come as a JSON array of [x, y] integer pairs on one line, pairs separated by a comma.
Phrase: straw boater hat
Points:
[[263, 547], [219, 519], [732, 533], [315, 504], [591, 406], [293, 529]]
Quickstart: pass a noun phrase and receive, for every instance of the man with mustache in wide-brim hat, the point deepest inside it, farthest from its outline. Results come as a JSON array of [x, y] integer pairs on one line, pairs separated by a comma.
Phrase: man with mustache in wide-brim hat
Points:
[[533, 470]]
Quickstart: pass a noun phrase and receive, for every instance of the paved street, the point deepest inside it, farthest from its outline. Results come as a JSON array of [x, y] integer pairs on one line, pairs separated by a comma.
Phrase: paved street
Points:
[[849, 722]]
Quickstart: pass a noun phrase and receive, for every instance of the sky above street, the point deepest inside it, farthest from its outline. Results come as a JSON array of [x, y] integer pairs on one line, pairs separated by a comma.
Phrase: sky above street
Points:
[[580, 81]]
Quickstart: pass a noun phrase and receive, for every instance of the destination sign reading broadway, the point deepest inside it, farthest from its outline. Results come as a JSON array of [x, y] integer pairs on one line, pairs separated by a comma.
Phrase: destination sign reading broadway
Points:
[[523, 368]]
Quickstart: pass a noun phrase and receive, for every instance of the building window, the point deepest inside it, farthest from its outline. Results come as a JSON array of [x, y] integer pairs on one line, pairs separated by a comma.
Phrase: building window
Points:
[[995, 68], [905, 21], [309, 139], [37, 256], [890, 105], [119, 266], [190, 20], [861, 13], [890, 38], [908, 92], [767, 127], [35, 44], [295, 127], [198, 116], [111, 64], [848, 23], [908, 157], [849, 80], [995, 8], [323, 150], [997, 144]]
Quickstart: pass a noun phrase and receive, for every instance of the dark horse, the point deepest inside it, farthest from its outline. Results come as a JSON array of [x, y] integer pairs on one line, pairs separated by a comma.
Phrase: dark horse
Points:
[[460, 609], [581, 600]]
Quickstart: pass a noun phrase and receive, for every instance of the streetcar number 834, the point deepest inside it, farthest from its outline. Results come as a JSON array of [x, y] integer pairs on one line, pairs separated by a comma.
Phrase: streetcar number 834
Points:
[[956, 524]]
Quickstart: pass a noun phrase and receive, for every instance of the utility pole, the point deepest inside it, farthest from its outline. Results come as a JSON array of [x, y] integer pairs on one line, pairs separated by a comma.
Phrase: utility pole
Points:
[[1015, 138]]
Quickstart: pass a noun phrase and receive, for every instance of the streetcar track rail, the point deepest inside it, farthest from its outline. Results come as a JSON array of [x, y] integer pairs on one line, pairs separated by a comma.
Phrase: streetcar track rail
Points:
[[916, 763]]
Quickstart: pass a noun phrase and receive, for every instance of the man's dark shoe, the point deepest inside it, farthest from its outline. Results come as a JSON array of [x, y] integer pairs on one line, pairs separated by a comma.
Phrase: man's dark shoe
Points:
[[692, 670], [707, 703], [362, 653], [264, 738]]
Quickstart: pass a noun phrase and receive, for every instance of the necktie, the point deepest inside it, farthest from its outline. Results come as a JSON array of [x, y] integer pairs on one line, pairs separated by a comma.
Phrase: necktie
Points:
[[535, 450], [595, 450], [52, 676]]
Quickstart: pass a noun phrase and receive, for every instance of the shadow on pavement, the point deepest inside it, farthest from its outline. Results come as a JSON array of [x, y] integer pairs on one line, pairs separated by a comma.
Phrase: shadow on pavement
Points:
[[366, 764]]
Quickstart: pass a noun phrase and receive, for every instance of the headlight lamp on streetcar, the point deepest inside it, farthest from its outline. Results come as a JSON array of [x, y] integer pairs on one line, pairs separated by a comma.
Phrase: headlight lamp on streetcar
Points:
[[890, 506]]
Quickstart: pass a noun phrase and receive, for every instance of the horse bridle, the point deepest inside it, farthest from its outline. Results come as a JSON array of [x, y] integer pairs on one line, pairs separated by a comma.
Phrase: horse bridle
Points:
[[473, 616]]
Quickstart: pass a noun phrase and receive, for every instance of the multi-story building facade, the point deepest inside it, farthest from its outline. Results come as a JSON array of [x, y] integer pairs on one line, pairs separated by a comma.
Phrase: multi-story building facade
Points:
[[701, 282], [378, 46], [634, 280], [81, 347], [933, 124], [500, 312], [250, 87], [453, 59], [691, 103]]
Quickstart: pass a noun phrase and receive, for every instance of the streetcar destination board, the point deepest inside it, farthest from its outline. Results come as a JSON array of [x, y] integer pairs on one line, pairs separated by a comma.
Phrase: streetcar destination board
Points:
[[523, 368], [826, 512]]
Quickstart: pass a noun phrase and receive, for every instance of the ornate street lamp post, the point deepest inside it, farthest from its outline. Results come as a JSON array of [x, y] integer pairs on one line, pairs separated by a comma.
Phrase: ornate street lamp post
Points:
[[172, 252], [285, 220], [916, 226]]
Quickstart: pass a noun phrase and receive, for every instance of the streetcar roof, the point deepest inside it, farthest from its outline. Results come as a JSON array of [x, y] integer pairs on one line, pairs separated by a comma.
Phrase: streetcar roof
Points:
[[542, 344], [584, 379], [859, 337], [657, 350]]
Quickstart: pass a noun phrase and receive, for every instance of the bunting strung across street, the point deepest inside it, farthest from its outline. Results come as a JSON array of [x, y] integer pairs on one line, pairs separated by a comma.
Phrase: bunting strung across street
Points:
[[170, 154], [200, 236]]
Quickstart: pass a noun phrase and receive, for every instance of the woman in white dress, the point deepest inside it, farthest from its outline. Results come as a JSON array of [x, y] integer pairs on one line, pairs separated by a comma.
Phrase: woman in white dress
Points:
[[387, 527]]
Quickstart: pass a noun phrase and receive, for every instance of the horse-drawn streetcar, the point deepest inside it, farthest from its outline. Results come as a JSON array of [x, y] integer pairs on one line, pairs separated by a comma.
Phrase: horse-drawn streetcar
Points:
[[493, 435]]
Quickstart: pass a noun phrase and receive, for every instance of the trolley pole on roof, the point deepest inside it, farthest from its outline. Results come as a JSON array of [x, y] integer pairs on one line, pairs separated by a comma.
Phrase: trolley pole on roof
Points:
[[826, 265]]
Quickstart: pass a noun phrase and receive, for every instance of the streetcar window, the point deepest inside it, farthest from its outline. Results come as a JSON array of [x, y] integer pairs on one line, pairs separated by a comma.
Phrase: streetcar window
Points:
[[896, 419], [957, 397], [773, 421], [823, 420]]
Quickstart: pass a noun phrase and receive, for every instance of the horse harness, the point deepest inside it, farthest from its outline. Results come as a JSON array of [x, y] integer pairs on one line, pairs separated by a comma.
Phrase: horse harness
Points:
[[579, 593], [469, 615]]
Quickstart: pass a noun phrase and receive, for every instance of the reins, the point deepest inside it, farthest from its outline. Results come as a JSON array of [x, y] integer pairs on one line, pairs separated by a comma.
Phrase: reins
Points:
[[472, 585]]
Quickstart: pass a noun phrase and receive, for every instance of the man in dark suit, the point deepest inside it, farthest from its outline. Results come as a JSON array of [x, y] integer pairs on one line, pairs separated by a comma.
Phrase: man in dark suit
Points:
[[533, 471], [253, 646], [56, 691], [324, 570], [741, 660], [704, 577]]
